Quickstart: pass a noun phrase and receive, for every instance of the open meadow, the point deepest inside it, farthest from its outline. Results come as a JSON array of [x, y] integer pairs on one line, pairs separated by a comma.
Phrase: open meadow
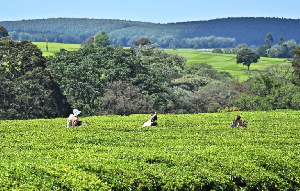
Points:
[[184, 152], [55, 47], [227, 62]]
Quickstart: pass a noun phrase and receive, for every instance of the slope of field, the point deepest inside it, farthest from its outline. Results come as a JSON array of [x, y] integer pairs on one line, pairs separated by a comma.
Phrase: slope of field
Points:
[[227, 62], [184, 152]]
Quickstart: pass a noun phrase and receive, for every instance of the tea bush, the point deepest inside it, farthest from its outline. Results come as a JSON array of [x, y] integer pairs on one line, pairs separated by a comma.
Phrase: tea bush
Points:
[[184, 152]]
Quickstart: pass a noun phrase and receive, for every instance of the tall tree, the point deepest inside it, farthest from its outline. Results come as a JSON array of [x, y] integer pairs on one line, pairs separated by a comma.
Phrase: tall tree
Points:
[[28, 89], [3, 32], [19, 57], [296, 65], [102, 39], [281, 40], [264, 50], [269, 38], [247, 57]]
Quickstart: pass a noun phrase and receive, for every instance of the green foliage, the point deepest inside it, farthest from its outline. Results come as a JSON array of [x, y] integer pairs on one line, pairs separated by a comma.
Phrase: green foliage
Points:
[[217, 50], [3, 32], [206, 70], [262, 51], [296, 65], [83, 76], [101, 39], [28, 90], [228, 32], [273, 89], [206, 42], [19, 57], [184, 152], [203, 89], [283, 49], [247, 56], [269, 38], [190, 82], [117, 80], [124, 99]]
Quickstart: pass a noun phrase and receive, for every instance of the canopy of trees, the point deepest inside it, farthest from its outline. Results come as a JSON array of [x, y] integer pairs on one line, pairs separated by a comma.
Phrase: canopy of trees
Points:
[[123, 81], [218, 33], [296, 65], [27, 88]]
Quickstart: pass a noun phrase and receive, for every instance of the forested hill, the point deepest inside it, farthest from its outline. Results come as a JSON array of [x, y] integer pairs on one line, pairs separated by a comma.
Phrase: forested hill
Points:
[[233, 31]]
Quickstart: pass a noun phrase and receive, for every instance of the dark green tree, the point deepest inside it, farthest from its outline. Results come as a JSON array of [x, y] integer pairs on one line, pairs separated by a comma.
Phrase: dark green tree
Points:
[[279, 51], [296, 65], [270, 90], [28, 90], [166, 66], [3, 32], [217, 50], [102, 39], [19, 57], [264, 50], [247, 56], [281, 40], [87, 77], [268, 38], [83, 75]]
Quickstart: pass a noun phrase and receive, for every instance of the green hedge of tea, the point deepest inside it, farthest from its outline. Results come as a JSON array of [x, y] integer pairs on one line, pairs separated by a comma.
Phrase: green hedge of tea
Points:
[[184, 152]]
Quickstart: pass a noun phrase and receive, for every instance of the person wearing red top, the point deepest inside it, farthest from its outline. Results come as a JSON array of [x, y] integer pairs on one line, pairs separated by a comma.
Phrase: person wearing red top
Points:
[[237, 122]]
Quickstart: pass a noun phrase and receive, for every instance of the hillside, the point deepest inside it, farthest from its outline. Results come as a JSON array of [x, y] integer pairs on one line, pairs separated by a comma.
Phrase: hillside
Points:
[[232, 31], [227, 62]]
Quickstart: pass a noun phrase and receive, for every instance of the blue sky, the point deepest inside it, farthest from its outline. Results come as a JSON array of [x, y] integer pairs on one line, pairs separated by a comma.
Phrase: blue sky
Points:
[[156, 11]]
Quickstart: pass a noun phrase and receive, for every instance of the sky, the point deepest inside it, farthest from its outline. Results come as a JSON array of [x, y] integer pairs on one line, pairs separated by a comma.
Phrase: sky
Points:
[[155, 11]]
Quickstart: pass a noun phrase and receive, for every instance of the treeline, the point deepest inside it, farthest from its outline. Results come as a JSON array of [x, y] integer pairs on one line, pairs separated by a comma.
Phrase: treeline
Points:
[[113, 80], [281, 49], [218, 33]]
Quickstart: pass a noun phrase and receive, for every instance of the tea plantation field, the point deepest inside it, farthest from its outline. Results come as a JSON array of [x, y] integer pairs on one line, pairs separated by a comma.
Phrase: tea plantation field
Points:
[[184, 152]]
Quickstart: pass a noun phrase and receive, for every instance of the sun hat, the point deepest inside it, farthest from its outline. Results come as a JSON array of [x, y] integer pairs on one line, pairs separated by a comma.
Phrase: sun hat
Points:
[[76, 112]]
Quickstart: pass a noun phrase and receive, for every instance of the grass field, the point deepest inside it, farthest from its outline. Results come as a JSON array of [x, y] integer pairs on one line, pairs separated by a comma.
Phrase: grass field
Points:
[[55, 47], [227, 62], [184, 152]]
